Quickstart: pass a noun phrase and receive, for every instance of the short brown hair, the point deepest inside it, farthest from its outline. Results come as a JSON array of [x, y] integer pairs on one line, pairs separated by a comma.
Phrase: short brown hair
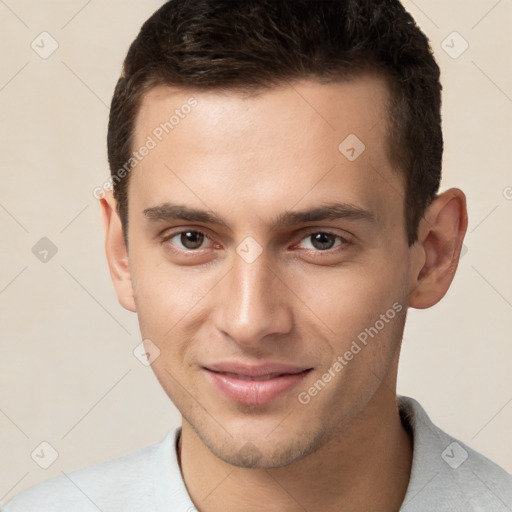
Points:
[[245, 45]]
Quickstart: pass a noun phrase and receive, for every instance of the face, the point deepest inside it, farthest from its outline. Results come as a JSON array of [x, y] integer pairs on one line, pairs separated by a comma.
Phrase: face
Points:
[[269, 264]]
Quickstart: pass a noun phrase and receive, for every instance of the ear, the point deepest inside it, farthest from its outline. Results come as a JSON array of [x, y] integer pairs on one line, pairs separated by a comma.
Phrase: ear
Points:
[[440, 236], [117, 252]]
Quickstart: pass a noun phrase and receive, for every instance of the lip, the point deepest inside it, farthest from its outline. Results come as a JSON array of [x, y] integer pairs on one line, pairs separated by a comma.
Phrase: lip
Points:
[[254, 384]]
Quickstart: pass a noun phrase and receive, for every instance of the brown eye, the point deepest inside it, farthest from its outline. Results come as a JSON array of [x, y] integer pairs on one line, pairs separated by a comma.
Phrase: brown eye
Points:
[[191, 239]]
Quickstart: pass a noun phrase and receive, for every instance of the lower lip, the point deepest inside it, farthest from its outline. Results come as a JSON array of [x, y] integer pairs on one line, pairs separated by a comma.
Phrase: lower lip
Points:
[[254, 392]]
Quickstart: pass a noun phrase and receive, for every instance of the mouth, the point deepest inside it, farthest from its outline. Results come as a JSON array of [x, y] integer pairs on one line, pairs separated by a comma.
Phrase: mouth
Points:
[[254, 385], [248, 377]]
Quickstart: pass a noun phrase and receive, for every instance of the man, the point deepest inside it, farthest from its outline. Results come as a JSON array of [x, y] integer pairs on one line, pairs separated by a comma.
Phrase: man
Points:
[[275, 212]]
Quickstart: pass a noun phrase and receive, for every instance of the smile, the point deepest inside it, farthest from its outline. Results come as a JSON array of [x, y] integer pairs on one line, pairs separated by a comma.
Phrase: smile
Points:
[[254, 385]]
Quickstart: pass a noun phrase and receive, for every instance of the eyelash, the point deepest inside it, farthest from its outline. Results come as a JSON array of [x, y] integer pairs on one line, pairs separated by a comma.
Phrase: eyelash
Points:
[[344, 241]]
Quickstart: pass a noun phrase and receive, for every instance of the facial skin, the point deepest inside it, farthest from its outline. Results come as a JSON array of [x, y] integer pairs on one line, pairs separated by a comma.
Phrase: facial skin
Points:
[[248, 161]]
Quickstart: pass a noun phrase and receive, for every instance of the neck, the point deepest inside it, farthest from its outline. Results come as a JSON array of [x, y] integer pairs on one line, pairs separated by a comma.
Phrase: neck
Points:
[[364, 467]]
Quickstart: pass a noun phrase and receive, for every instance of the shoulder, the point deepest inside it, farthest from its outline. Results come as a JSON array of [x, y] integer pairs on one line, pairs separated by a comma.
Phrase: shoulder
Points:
[[125, 483], [448, 475]]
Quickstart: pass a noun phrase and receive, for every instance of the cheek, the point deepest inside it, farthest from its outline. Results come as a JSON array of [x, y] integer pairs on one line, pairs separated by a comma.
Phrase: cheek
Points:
[[350, 298], [166, 303], [164, 295]]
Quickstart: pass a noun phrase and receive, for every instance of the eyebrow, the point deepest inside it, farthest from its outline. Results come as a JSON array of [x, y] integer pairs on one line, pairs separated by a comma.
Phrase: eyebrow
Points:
[[168, 212], [329, 211]]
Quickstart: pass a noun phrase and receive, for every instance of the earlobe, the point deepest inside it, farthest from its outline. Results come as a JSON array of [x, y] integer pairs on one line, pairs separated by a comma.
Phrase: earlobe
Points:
[[117, 252], [441, 233]]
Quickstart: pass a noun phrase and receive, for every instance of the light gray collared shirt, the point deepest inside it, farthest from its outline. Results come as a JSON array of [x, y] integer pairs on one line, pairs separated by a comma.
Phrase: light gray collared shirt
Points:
[[446, 476]]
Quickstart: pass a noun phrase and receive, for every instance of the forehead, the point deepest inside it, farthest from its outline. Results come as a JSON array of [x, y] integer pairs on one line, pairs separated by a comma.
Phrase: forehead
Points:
[[356, 104], [267, 150]]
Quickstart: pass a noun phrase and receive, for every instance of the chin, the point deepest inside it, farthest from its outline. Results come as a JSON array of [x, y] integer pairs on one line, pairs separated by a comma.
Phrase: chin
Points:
[[263, 451]]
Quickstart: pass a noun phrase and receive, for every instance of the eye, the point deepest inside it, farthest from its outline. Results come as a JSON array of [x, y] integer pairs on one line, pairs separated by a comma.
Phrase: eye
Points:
[[322, 241], [189, 240]]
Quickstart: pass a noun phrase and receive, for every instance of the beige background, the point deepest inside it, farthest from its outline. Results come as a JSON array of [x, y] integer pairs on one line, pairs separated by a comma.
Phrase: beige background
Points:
[[67, 372]]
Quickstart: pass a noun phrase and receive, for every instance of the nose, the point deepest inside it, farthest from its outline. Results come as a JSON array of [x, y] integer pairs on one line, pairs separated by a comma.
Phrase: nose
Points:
[[252, 304]]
